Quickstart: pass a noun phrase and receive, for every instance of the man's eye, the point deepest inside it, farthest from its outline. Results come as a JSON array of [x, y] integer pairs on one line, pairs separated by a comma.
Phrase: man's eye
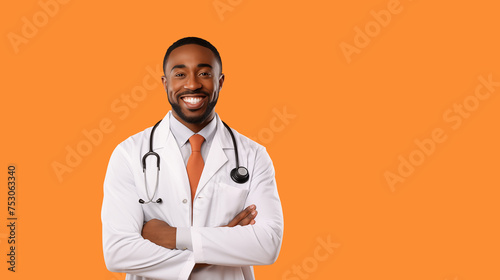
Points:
[[179, 75], [205, 74]]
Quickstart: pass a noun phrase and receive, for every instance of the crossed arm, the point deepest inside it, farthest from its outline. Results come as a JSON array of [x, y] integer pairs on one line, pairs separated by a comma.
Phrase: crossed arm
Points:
[[162, 234]]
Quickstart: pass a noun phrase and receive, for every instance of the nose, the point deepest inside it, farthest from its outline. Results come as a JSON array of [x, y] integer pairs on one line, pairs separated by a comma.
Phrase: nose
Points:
[[192, 83]]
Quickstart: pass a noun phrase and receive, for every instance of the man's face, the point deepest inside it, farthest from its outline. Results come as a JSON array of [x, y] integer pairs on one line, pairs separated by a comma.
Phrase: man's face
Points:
[[192, 81]]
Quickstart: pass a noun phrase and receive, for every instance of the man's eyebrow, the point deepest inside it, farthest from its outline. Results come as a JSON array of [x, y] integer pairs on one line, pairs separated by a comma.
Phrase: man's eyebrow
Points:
[[178, 66], [184, 66], [205, 65]]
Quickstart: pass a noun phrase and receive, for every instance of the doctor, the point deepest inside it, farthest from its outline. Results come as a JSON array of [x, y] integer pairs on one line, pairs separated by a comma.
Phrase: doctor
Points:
[[197, 222]]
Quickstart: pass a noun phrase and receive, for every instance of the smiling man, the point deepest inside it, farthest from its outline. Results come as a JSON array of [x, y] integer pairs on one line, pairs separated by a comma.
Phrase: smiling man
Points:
[[181, 198], [193, 79]]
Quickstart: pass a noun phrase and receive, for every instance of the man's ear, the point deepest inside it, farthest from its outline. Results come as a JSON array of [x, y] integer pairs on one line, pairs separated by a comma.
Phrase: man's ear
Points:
[[221, 80], [164, 82]]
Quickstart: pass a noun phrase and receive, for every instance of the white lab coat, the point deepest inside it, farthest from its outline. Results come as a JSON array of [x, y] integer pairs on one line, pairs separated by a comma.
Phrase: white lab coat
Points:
[[231, 251]]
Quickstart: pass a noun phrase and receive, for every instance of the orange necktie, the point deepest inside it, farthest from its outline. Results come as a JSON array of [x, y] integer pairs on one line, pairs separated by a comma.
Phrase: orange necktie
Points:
[[195, 163]]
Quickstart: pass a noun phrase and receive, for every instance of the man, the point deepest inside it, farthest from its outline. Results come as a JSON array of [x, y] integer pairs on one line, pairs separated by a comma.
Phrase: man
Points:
[[194, 219]]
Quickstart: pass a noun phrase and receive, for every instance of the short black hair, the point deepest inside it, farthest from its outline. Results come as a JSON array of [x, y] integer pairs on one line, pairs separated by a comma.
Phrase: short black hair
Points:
[[191, 40]]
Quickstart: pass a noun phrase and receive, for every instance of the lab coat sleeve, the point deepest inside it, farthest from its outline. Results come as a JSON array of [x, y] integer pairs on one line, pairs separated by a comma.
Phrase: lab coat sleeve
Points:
[[125, 250], [257, 244]]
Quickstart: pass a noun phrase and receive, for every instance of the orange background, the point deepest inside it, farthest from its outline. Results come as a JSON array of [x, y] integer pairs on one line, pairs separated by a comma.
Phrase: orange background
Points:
[[353, 120]]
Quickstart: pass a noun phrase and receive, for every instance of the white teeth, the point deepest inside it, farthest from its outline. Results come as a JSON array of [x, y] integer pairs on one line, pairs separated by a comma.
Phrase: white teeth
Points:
[[192, 100]]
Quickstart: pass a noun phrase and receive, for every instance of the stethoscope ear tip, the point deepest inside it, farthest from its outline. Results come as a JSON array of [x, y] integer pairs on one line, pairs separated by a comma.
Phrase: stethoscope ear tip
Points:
[[141, 201]]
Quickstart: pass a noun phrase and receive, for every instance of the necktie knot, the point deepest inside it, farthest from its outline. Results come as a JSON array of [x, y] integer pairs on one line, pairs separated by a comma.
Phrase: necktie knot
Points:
[[196, 140]]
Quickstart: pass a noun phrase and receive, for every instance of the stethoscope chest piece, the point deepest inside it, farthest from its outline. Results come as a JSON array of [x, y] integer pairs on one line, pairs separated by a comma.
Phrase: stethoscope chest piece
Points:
[[239, 175]]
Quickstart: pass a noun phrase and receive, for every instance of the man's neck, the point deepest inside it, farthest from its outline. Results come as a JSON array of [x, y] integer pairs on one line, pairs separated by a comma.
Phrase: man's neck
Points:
[[195, 127]]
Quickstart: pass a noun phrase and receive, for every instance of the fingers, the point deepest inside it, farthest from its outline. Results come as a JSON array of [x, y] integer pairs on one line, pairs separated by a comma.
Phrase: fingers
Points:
[[245, 217], [249, 219]]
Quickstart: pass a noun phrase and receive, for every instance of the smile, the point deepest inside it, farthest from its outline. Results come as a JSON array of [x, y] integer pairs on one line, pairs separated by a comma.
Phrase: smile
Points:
[[192, 100]]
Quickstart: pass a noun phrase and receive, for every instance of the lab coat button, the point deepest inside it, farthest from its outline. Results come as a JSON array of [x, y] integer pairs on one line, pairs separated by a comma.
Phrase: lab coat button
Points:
[[184, 201]]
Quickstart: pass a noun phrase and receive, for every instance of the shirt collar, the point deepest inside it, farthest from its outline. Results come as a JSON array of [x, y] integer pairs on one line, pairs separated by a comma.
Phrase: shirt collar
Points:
[[182, 133]]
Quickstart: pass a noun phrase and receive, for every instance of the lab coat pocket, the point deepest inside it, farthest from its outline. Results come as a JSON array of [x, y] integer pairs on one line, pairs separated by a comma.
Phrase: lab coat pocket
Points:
[[230, 201]]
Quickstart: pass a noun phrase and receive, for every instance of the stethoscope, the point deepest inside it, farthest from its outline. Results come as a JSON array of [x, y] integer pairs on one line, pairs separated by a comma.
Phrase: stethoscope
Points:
[[238, 174]]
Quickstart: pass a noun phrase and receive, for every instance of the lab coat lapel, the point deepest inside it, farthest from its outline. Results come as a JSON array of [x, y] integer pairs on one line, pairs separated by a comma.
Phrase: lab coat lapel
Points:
[[216, 156], [171, 158]]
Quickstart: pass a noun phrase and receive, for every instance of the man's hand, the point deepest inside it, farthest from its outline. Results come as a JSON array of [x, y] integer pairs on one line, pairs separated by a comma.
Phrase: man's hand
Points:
[[245, 217], [160, 233]]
